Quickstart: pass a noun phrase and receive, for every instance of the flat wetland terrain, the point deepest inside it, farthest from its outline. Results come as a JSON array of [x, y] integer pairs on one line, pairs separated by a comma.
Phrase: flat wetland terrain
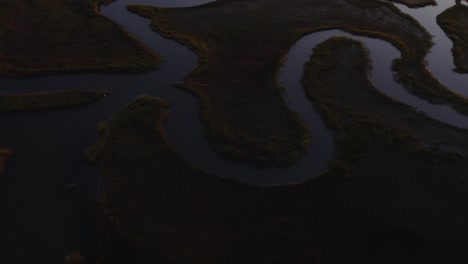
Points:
[[55, 36], [454, 21], [51, 99], [395, 191], [253, 37], [390, 195], [407, 166]]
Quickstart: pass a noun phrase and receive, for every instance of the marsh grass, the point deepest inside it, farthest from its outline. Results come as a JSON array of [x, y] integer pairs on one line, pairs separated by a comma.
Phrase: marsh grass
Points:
[[416, 3], [50, 99], [335, 79], [386, 148], [240, 98], [391, 195], [149, 190], [132, 152], [4, 154], [454, 22], [43, 37], [350, 215], [349, 72], [74, 258]]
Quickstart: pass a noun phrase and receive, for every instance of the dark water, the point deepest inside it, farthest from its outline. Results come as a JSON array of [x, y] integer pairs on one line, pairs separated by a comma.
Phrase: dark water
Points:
[[42, 221], [45, 221], [440, 59], [184, 117], [382, 54]]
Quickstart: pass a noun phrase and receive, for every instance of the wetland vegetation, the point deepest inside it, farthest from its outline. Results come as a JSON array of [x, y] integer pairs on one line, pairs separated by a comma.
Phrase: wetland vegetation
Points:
[[398, 158], [229, 90], [392, 171], [4, 154], [454, 22], [54, 36], [395, 191], [50, 99]]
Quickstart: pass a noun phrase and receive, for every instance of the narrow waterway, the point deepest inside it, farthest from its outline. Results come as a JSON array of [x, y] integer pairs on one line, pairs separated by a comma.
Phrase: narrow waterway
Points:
[[43, 220], [381, 54], [440, 59]]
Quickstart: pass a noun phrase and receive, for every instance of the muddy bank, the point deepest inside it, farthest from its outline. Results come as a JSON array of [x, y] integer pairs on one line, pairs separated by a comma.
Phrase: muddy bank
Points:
[[406, 166], [158, 208]]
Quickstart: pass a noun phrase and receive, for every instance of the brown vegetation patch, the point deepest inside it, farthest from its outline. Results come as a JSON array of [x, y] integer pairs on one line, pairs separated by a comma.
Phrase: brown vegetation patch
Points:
[[156, 207], [4, 154], [55, 36], [392, 196], [454, 21], [416, 3], [241, 44], [50, 99], [409, 168]]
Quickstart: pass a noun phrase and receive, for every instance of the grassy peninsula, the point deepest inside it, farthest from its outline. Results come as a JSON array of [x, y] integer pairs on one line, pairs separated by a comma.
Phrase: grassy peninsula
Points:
[[389, 197], [4, 154], [409, 168], [56, 36], [454, 22], [223, 32], [50, 99]]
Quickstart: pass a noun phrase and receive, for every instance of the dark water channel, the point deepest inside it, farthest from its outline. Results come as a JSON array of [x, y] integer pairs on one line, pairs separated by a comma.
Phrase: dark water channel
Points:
[[42, 220]]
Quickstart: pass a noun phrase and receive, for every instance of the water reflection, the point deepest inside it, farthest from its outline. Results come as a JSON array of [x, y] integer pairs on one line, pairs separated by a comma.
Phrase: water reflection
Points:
[[440, 59]]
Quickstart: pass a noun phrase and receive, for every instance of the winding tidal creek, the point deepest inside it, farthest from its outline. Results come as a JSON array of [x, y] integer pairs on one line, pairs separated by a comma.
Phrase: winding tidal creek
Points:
[[43, 220]]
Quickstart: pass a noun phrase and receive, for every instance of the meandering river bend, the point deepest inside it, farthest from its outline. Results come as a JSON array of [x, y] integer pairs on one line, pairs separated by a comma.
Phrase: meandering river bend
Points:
[[43, 221]]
